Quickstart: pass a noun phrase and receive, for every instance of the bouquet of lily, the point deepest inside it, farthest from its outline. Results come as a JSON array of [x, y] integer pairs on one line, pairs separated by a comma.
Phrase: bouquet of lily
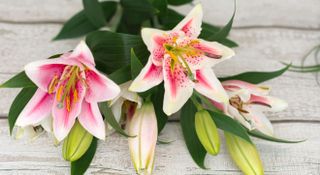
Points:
[[119, 81]]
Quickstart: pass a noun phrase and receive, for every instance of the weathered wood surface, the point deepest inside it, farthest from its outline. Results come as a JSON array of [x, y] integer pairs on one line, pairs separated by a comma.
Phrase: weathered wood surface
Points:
[[268, 31], [41, 157]]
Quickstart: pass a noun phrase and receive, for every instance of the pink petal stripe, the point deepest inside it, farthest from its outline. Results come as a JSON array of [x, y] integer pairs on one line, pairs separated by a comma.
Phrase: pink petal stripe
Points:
[[63, 119], [232, 85], [100, 88], [91, 119], [36, 110], [150, 76], [178, 87]]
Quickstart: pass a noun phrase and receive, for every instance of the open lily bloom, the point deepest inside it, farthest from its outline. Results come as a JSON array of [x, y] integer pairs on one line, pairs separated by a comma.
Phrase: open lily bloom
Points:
[[125, 103], [32, 132], [247, 102], [69, 87], [183, 62]]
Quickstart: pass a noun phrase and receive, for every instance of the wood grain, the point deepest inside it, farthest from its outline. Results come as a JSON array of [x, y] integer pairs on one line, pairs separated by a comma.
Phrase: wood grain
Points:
[[41, 157], [272, 13]]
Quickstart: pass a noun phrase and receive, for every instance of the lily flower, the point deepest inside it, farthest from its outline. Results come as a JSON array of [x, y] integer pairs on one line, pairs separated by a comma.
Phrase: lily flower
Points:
[[183, 61], [69, 88], [247, 102], [32, 132], [143, 125], [125, 103]]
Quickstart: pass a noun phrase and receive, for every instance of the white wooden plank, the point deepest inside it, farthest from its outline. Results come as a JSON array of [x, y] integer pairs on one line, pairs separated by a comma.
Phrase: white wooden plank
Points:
[[290, 13], [260, 49], [40, 157]]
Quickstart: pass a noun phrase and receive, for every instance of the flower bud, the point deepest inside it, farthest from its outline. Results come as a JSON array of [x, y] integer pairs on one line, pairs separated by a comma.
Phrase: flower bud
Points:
[[143, 125], [77, 143], [207, 132], [244, 154]]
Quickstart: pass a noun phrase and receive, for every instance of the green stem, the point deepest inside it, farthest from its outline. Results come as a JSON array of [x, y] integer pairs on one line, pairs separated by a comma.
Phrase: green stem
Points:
[[196, 103]]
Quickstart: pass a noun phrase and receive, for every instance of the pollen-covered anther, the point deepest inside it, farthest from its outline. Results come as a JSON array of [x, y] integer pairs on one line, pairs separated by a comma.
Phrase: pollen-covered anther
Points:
[[53, 84]]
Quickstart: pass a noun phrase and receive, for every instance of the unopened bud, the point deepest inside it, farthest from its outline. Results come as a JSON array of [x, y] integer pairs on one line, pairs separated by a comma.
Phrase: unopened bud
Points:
[[207, 132], [77, 143], [244, 154]]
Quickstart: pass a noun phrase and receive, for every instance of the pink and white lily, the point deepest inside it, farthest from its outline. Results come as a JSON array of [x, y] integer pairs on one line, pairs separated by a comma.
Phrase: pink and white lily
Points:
[[125, 104], [143, 125], [247, 102], [32, 132], [69, 88], [183, 62]]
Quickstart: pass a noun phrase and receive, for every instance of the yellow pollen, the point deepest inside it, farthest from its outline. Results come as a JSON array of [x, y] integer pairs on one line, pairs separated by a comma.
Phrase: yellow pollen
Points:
[[75, 96], [59, 93], [68, 103], [53, 84]]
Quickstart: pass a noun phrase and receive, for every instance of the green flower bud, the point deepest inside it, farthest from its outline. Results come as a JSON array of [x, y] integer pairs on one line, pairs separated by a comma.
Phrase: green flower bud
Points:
[[244, 154], [207, 132], [77, 143]]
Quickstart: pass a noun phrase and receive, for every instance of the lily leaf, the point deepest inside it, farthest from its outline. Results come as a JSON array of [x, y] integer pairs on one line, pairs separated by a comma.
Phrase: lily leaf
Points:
[[179, 2], [18, 105], [161, 6], [107, 113], [80, 25], [261, 135], [136, 65], [226, 123], [81, 165], [121, 75], [94, 12], [224, 32], [256, 77], [112, 50], [162, 118], [21, 80], [195, 148]]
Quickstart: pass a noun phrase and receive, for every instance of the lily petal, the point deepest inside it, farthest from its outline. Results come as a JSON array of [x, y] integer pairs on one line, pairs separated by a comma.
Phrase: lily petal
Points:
[[91, 119], [233, 85], [128, 95], [150, 76], [208, 85], [42, 72], [191, 24], [100, 88], [64, 113], [38, 108], [213, 53], [269, 103], [83, 54], [258, 120], [154, 40], [178, 87]]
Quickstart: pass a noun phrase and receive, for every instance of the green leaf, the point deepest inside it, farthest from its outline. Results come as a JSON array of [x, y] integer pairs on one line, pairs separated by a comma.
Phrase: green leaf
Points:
[[80, 25], [161, 6], [136, 65], [134, 14], [172, 18], [94, 12], [112, 50], [224, 32], [179, 2], [256, 77], [109, 117], [20, 80], [261, 135], [226, 123], [81, 165], [195, 148], [18, 104], [121, 75], [157, 99]]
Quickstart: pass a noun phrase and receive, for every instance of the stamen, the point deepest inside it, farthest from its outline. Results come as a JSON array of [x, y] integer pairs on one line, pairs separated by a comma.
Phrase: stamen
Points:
[[59, 93], [53, 84], [68, 103], [75, 96]]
